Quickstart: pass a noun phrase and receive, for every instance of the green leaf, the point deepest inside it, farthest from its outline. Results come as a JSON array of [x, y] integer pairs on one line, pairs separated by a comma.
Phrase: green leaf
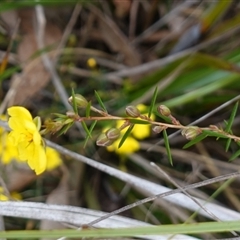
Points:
[[65, 128], [126, 134], [153, 102], [166, 119], [235, 155], [165, 136], [60, 116], [214, 134], [88, 109], [228, 144], [230, 121], [74, 104], [100, 101], [86, 129], [195, 140], [138, 121], [90, 131]]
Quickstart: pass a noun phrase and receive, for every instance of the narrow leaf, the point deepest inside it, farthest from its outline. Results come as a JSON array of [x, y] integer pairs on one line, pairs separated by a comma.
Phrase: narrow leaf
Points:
[[126, 134], [74, 104], [62, 116], [165, 136], [88, 109], [65, 128], [152, 102], [233, 114], [100, 101], [138, 121], [228, 144], [214, 134], [166, 119], [235, 155], [90, 131], [86, 128], [195, 140]]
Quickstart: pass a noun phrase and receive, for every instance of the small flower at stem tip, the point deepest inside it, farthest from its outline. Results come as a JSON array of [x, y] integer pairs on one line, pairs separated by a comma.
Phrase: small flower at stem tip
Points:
[[132, 111]]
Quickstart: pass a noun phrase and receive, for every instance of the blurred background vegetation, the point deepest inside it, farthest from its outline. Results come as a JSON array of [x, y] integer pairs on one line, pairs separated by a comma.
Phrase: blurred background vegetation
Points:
[[124, 49]]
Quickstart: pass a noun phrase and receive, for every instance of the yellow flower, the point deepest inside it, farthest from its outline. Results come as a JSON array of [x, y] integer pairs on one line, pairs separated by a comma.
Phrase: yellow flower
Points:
[[26, 137], [139, 131], [130, 145], [16, 196], [2, 196], [53, 159], [7, 150], [91, 62]]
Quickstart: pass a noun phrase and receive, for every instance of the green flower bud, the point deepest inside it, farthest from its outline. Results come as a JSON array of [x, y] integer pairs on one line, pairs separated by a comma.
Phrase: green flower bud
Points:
[[103, 141], [38, 122], [132, 111], [191, 132], [164, 110], [80, 100], [113, 133]]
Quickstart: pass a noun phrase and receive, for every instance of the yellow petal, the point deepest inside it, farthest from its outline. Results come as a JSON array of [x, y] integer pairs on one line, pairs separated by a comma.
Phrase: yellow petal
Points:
[[141, 131], [130, 145], [37, 139], [53, 158], [20, 112], [142, 108], [36, 157]]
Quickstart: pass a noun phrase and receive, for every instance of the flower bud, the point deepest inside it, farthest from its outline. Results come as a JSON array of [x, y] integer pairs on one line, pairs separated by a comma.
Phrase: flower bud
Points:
[[158, 129], [103, 141], [38, 123], [71, 114], [80, 100], [113, 133], [164, 110], [191, 132], [132, 111]]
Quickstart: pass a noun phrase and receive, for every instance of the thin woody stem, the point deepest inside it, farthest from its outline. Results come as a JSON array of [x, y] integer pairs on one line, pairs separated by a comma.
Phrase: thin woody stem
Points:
[[166, 125]]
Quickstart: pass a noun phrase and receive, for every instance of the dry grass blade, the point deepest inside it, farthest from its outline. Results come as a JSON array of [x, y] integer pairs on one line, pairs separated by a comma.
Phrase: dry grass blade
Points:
[[115, 39], [139, 183]]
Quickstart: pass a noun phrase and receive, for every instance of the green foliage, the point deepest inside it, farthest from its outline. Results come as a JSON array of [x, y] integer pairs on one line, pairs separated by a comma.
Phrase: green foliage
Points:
[[100, 101], [126, 134], [153, 102], [167, 147]]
